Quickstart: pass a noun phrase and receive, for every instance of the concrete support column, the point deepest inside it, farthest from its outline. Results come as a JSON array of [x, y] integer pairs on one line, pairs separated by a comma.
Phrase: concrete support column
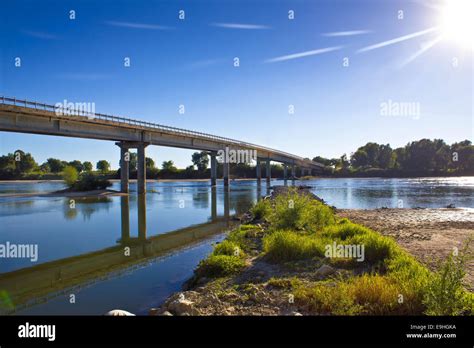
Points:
[[268, 172], [226, 173], [293, 172], [258, 168], [285, 172], [141, 169], [124, 167], [213, 169]]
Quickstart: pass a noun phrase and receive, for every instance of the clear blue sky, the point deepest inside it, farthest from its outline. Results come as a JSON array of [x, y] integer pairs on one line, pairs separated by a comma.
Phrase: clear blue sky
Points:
[[190, 62]]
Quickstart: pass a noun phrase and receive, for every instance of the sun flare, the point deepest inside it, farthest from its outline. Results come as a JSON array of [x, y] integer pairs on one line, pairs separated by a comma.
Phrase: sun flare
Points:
[[457, 21]]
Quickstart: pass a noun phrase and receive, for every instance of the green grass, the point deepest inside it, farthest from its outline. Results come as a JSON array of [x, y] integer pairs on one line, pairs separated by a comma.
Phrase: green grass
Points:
[[282, 246], [393, 282], [219, 266]]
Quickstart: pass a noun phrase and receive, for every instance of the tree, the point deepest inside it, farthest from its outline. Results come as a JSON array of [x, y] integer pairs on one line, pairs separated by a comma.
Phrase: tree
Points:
[[87, 166], [77, 164], [55, 165], [24, 162], [200, 160], [103, 166], [149, 163], [359, 158], [169, 166], [70, 175]]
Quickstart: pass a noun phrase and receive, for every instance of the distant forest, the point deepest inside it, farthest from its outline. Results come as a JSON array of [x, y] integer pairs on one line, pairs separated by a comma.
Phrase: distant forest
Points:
[[417, 158], [424, 157]]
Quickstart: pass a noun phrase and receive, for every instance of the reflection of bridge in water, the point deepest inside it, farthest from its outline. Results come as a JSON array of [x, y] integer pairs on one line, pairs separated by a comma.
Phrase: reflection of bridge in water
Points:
[[28, 286]]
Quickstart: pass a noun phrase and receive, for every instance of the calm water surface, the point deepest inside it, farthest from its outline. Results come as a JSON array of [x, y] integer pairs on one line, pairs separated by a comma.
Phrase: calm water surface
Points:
[[165, 248]]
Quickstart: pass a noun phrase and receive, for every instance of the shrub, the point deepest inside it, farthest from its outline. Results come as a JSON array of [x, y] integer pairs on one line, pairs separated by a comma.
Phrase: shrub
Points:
[[345, 229], [70, 175], [220, 265], [323, 298], [299, 212], [445, 294], [229, 248], [282, 246], [375, 294], [377, 248], [89, 182], [261, 209]]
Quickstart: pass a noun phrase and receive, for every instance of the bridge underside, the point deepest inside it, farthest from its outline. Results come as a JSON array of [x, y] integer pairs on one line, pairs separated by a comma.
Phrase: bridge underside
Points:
[[14, 118]]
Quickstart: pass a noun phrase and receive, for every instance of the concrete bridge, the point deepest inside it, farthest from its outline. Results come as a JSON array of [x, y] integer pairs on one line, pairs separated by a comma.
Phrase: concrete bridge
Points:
[[25, 116]]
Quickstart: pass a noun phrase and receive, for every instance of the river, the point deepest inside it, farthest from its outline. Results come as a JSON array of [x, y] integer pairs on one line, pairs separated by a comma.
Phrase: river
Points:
[[81, 266]]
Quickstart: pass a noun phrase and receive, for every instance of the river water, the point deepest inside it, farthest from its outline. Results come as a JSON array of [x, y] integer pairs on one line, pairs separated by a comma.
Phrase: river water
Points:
[[81, 266]]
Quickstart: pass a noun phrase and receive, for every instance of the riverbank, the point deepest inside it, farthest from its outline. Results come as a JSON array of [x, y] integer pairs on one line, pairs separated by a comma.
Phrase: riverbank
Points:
[[278, 264], [65, 193]]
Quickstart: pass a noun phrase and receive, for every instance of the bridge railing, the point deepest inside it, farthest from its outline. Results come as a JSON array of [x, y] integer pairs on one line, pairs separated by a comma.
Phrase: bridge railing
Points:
[[62, 110]]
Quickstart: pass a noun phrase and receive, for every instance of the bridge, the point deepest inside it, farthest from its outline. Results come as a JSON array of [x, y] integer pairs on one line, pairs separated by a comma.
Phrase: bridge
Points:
[[25, 116]]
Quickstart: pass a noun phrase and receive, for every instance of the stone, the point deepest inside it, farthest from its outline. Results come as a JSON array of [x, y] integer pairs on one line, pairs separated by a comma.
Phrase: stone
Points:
[[325, 270], [119, 313], [181, 306], [167, 314]]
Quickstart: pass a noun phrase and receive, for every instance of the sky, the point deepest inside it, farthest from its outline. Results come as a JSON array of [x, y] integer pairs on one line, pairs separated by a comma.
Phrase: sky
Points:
[[337, 64]]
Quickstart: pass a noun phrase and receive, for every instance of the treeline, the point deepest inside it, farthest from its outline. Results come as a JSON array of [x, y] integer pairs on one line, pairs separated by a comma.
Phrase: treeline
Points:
[[22, 165], [424, 157]]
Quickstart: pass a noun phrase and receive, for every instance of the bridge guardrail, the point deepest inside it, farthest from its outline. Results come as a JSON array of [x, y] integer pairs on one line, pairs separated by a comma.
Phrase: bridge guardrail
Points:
[[144, 124]]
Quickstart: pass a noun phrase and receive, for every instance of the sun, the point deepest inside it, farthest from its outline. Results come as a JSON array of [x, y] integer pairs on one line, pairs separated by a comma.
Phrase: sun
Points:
[[457, 22]]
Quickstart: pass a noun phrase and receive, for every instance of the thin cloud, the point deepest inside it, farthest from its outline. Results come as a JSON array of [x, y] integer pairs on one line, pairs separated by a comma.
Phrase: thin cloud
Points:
[[303, 54], [397, 40], [84, 76], [240, 26], [138, 25], [425, 47], [347, 33], [40, 35]]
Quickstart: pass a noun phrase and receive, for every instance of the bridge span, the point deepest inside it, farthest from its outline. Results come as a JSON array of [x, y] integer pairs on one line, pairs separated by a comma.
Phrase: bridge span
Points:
[[25, 116]]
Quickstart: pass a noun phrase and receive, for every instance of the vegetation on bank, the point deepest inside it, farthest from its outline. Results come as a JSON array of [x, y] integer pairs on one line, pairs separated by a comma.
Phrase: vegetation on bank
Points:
[[293, 231], [85, 181], [419, 158]]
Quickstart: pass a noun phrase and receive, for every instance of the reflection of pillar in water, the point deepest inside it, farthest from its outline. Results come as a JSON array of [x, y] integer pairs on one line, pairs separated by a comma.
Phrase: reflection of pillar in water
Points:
[[214, 203], [141, 202], [259, 192], [226, 204], [125, 218]]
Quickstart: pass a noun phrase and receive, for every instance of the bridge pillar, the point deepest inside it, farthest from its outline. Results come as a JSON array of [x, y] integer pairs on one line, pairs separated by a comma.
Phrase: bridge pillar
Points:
[[213, 169], [285, 171], [258, 168], [293, 172], [226, 172], [268, 172], [141, 168], [124, 167]]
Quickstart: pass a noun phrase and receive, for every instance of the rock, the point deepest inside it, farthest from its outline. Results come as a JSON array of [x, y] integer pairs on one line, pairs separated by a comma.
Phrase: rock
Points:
[[182, 306], [119, 313], [167, 314], [451, 206], [325, 270], [297, 314], [153, 311]]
